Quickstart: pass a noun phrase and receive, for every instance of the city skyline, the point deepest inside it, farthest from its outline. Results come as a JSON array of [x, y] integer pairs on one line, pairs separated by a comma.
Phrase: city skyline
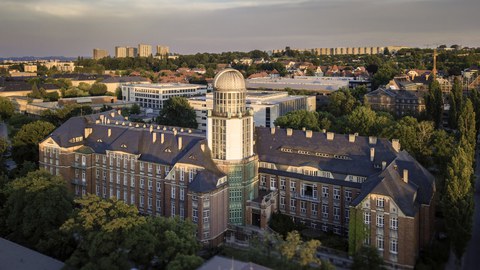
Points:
[[72, 28]]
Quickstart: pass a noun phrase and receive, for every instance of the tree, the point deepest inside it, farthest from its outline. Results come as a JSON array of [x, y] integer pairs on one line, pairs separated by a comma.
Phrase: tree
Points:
[[367, 258], [357, 231], [298, 120], [35, 92], [135, 109], [384, 74], [289, 248], [110, 233], [308, 253], [25, 142], [281, 223], [6, 108], [98, 89], [178, 112], [362, 120], [456, 103], [434, 103], [458, 202], [467, 130], [342, 102], [36, 206], [118, 93]]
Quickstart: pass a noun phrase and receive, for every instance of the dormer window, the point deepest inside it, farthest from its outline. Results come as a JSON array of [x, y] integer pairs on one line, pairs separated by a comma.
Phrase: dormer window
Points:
[[380, 202], [99, 140], [123, 146], [167, 150], [76, 139]]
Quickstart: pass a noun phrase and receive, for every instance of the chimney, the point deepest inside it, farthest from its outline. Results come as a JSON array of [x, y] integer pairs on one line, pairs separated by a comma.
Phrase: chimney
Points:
[[372, 140], [372, 153], [151, 128], [112, 114], [303, 129], [330, 136], [351, 137], [87, 132], [189, 131], [162, 138], [272, 130], [109, 132], [174, 132], [289, 131], [396, 145], [102, 118], [308, 134], [384, 165], [324, 131], [405, 176], [154, 137], [179, 143], [119, 112]]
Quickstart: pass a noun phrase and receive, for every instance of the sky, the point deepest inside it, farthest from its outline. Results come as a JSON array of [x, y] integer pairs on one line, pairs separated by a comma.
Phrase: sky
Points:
[[75, 27]]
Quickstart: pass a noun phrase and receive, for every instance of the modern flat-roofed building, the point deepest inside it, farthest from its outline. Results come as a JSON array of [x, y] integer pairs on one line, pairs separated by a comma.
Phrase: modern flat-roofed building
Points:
[[132, 52], [162, 50], [99, 53], [120, 52], [152, 96], [237, 175], [267, 106], [144, 50]]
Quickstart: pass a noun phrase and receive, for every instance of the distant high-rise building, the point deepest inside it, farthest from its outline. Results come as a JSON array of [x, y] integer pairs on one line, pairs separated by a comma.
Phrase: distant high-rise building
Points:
[[120, 52], [162, 50], [132, 52], [144, 50], [99, 53]]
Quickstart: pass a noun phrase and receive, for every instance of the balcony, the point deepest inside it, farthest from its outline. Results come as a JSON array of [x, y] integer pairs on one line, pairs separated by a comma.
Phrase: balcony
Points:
[[79, 165], [304, 197], [79, 182]]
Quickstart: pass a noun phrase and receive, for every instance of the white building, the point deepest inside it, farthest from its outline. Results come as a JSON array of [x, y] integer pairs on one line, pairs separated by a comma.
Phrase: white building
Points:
[[266, 106], [152, 96]]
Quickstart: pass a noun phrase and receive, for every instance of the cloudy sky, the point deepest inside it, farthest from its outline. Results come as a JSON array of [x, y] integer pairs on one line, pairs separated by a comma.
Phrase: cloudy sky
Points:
[[75, 27]]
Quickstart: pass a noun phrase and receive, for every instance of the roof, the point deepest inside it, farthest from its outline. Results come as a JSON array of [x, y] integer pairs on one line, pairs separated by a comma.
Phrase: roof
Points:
[[222, 263], [357, 154], [125, 79], [156, 144], [390, 182], [14, 256]]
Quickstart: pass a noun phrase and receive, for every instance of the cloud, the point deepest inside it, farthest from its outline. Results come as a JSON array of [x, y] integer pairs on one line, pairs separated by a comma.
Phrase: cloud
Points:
[[74, 27]]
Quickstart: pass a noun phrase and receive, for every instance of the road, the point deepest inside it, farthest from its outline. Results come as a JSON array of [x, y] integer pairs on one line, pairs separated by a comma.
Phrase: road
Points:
[[471, 259]]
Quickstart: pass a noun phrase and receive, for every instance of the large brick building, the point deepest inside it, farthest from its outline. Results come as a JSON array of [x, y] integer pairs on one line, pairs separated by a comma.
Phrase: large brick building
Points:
[[238, 175]]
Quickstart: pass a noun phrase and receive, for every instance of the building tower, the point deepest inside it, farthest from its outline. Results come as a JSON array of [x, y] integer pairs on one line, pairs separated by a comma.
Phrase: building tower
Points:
[[230, 138], [434, 69]]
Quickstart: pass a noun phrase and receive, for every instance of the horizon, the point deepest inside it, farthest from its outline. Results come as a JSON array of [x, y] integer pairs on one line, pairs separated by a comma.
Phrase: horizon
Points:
[[73, 28]]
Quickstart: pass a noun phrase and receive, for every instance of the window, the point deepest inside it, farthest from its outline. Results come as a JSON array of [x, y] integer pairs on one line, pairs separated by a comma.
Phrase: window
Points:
[[195, 215], [282, 202], [282, 183], [336, 213], [190, 175], [118, 178], [150, 202], [292, 204], [324, 191], [142, 167], [157, 203], [394, 223], [159, 188], [263, 181], [125, 196], [324, 210], [348, 195], [141, 201], [273, 183], [132, 198], [150, 167], [347, 215], [173, 192], [97, 190], [206, 216], [142, 182], [182, 194], [111, 193], [97, 173], [303, 207], [314, 209], [118, 194], [380, 202], [173, 209], [336, 194], [366, 218], [380, 242], [182, 212], [292, 186], [393, 246], [104, 192], [132, 181], [150, 184], [125, 180], [379, 220], [182, 174]]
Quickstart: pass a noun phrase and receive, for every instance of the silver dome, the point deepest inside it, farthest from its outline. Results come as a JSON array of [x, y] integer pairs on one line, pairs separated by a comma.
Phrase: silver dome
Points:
[[229, 80]]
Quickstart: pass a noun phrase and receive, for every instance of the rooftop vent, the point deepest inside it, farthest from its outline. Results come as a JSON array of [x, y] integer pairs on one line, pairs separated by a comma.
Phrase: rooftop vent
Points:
[[372, 154], [289, 132], [330, 136], [351, 137], [272, 130], [308, 134], [372, 140]]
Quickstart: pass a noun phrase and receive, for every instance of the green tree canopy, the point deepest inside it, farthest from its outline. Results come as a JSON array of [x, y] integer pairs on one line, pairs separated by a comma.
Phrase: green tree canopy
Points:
[[342, 102], [98, 89], [178, 112], [298, 120], [25, 142], [367, 258], [6, 108], [36, 206], [434, 103]]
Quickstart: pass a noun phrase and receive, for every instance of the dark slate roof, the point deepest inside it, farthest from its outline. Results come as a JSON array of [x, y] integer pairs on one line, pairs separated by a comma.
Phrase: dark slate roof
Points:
[[419, 189], [381, 92], [14, 256], [268, 149], [139, 141], [205, 181]]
